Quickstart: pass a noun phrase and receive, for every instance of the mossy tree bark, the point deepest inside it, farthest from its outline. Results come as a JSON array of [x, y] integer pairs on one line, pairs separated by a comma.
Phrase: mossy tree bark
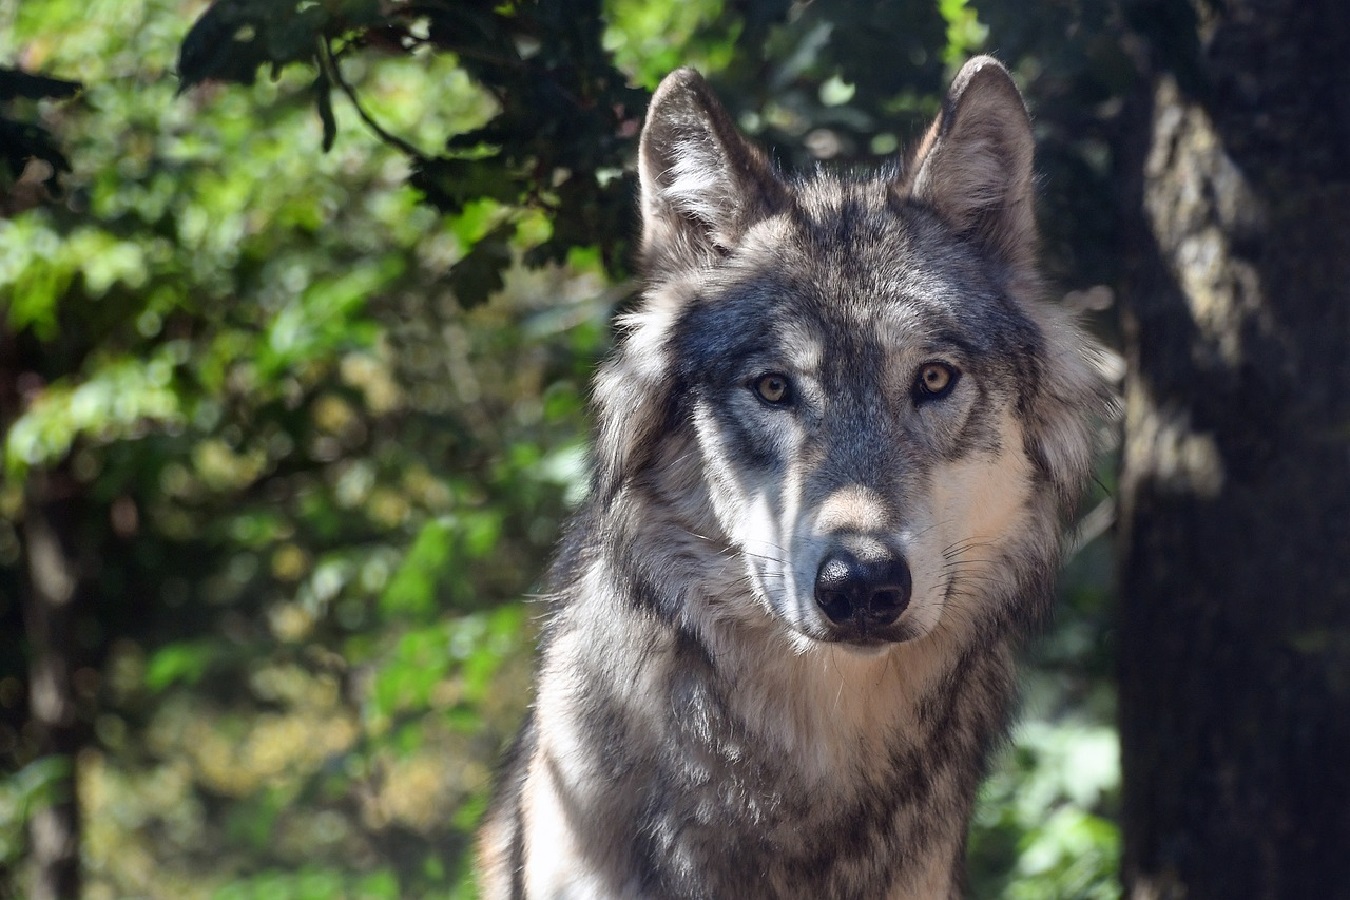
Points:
[[1235, 490]]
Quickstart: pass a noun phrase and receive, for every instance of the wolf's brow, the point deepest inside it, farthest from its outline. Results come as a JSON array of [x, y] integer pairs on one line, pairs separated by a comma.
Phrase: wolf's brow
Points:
[[947, 340]]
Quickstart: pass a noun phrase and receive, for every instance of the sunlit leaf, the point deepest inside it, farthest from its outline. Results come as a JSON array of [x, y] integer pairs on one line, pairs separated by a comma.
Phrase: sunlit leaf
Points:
[[182, 663], [413, 588]]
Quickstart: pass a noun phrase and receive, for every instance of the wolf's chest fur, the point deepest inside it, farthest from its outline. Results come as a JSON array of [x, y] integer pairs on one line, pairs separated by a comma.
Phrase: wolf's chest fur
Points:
[[767, 778], [734, 802], [833, 457]]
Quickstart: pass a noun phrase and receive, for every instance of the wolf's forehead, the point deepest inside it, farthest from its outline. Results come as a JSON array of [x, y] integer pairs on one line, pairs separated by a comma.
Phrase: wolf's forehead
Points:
[[852, 243], [849, 252], [809, 329], [777, 321], [877, 280], [844, 275]]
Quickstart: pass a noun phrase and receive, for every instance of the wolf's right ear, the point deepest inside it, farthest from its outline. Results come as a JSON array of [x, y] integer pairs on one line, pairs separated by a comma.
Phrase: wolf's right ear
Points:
[[703, 184]]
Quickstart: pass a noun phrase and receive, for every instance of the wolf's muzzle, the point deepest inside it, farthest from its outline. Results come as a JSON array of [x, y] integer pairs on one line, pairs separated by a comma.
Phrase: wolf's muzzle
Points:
[[861, 596]]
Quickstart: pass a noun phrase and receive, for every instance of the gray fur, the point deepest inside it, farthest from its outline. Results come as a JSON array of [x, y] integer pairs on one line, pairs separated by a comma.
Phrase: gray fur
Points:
[[705, 727]]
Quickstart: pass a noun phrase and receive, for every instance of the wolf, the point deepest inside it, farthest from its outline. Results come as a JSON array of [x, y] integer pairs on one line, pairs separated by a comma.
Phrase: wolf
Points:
[[835, 450]]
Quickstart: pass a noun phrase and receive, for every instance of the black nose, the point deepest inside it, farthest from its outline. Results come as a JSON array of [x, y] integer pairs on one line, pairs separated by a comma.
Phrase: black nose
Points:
[[862, 594]]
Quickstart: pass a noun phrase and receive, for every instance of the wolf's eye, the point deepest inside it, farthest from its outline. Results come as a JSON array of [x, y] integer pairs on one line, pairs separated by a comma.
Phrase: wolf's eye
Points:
[[935, 381], [773, 388]]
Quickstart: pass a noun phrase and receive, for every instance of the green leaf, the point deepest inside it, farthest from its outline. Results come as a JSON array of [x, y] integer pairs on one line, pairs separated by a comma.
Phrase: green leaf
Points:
[[233, 38], [382, 885], [448, 183], [115, 402], [480, 273], [413, 588], [222, 45], [966, 34], [184, 662]]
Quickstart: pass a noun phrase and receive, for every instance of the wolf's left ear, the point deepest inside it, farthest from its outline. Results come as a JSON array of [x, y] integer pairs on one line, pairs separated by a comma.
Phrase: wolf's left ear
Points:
[[703, 184], [974, 167]]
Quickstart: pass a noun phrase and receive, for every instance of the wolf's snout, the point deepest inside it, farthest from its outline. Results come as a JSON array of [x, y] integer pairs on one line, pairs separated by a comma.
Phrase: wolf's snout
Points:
[[859, 595]]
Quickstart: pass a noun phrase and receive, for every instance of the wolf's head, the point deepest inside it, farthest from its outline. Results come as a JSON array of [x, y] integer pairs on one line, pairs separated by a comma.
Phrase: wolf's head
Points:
[[850, 382]]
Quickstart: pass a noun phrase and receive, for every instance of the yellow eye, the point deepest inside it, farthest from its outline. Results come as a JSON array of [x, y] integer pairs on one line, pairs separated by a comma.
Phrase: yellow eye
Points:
[[935, 380], [773, 388]]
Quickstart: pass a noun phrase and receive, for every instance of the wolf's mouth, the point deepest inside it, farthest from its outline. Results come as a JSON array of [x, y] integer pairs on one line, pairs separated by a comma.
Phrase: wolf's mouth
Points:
[[898, 633]]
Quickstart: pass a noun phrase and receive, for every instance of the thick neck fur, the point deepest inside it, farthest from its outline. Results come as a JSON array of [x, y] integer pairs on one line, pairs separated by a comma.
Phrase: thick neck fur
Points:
[[852, 768]]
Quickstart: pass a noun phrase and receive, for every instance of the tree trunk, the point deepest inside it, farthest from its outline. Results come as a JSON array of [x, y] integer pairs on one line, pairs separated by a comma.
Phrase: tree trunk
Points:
[[51, 518], [1235, 489]]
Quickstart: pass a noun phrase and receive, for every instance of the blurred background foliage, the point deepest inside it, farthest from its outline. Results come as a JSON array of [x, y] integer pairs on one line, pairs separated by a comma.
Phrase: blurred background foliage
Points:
[[298, 307]]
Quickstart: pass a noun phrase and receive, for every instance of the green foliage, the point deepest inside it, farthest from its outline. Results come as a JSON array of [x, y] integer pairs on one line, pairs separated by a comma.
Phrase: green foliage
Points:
[[1043, 831], [965, 33], [38, 784], [301, 537], [649, 40], [315, 347], [180, 663], [309, 884], [555, 143]]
